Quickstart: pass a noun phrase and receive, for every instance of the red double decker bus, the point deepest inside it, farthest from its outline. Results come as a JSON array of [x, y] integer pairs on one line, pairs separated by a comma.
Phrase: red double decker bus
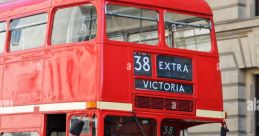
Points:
[[108, 67]]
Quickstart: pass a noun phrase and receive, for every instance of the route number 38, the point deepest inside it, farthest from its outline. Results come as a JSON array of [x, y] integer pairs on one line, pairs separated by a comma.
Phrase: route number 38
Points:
[[142, 64], [168, 131]]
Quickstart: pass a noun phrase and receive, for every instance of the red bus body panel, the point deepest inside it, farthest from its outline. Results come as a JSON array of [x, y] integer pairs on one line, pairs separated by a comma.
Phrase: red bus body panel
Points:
[[100, 69], [198, 6]]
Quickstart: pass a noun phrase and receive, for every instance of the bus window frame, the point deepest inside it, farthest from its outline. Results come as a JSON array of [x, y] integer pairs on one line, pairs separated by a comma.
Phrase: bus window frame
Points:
[[22, 131], [132, 44], [127, 114], [23, 15], [6, 20], [53, 11], [212, 52], [177, 127], [82, 114]]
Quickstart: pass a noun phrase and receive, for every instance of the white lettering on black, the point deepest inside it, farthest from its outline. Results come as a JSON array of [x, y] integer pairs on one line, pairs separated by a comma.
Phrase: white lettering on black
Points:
[[185, 69], [167, 66], [162, 65], [145, 84], [169, 87], [154, 85]]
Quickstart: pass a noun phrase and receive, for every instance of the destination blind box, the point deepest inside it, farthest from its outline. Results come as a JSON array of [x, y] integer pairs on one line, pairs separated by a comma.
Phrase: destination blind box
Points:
[[170, 67]]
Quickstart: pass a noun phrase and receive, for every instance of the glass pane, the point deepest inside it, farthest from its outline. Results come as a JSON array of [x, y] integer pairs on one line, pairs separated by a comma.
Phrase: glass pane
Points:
[[130, 24], [28, 32], [21, 134], [2, 36], [74, 24], [29, 21], [127, 126], [55, 133], [89, 124], [2, 26], [187, 32], [168, 128]]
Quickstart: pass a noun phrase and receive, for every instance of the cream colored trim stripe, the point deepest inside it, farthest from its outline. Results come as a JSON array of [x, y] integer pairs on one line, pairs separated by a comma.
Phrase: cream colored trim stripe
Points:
[[44, 107], [16, 109], [65, 106], [114, 106], [100, 104], [210, 114]]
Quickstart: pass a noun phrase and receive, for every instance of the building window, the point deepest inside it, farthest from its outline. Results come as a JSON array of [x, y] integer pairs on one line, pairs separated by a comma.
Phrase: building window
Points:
[[256, 111], [257, 7], [28, 32]]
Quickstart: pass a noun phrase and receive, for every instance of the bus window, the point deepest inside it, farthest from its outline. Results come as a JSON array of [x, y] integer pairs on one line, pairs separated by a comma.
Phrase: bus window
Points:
[[2, 36], [21, 134], [127, 126], [28, 32], [88, 128], [187, 32], [57, 133], [74, 24], [168, 129], [130, 24]]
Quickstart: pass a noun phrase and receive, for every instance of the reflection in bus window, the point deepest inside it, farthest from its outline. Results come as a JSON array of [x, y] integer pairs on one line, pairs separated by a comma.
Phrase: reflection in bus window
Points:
[[2, 36], [88, 128], [21, 134], [130, 24], [55, 133], [28, 32], [74, 24], [169, 127], [187, 32], [127, 126]]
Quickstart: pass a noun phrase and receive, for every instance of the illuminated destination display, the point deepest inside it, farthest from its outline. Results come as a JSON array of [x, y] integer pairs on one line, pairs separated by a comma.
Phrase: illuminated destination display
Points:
[[163, 86]]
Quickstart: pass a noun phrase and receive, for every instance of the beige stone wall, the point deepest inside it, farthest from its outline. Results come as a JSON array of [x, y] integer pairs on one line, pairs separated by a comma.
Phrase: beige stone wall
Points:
[[2, 1], [225, 10], [238, 42]]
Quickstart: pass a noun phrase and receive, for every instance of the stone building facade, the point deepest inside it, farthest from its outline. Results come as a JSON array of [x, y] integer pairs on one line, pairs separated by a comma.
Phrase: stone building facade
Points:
[[237, 27]]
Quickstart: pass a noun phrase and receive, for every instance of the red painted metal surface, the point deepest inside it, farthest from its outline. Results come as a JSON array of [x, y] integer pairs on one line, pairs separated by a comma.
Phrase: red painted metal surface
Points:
[[198, 6], [21, 120], [71, 73], [100, 70]]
